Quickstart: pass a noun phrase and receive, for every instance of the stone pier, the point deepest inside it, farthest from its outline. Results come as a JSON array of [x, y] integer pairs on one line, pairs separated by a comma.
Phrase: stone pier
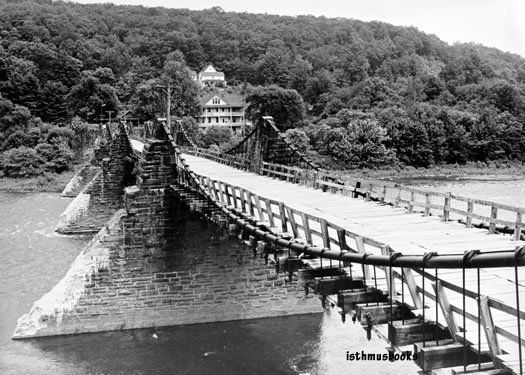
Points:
[[93, 206], [155, 263]]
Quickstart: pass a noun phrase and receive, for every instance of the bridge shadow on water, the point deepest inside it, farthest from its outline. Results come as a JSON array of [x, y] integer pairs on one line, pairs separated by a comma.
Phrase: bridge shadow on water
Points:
[[314, 344], [285, 345], [298, 344]]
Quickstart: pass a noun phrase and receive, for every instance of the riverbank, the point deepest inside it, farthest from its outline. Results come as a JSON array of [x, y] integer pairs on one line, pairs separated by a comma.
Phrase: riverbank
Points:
[[473, 171], [50, 182]]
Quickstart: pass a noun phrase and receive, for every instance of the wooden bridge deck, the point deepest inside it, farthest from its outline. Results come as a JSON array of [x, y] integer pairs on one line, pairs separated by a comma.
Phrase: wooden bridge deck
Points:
[[408, 233]]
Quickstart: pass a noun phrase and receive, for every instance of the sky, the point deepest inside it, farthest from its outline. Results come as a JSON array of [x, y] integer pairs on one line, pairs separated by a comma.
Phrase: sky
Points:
[[494, 23]]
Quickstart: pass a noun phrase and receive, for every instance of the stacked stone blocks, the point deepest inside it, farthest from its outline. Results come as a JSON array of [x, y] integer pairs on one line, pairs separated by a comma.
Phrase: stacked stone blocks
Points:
[[166, 266]]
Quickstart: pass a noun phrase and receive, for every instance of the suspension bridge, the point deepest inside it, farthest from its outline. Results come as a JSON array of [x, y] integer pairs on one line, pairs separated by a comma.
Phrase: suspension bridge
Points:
[[436, 274]]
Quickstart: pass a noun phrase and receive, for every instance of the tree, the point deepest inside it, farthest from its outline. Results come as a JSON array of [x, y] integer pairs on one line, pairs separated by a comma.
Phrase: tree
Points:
[[355, 139], [216, 135], [192, 129], [285, 106], [149, 100], [297, 138], [184, 91], [13, 116], [366, 144], [274, 66], [94, 94], [506, 97], [300, 71]]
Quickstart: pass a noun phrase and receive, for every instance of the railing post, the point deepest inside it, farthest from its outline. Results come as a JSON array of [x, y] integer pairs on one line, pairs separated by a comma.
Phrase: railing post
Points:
[[221, 192], [306, 229], [470, 211], [250, 203], [493, 218], [488, 326], [293, 224], [368, 192], [269, 212], [282, 216], [517, 228], [444, 304], [411, 203], [228, 197], [243, 199], [341, 237], [391, 285], [360, 244], [446, 207], [427, 204], [398, 197], [325, 234], [259, 208], [383, 195], [412, 287]]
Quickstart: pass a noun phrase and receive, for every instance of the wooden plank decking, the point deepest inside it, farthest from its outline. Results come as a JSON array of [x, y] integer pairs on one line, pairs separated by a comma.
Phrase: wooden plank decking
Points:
[[408, 233]]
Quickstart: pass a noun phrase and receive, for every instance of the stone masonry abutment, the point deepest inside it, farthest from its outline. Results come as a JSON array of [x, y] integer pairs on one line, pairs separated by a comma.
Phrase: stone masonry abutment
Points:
[[156, 263]]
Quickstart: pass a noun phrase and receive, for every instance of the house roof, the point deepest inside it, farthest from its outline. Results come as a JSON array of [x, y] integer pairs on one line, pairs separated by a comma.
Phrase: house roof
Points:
[[207, 67], [208, 74], [233, 100]]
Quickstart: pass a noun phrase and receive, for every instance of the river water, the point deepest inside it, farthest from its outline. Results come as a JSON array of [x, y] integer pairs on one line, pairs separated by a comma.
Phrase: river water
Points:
[[34, 259]]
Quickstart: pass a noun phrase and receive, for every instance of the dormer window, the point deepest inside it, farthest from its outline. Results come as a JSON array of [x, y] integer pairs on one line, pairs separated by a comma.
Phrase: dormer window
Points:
[[216, 101]]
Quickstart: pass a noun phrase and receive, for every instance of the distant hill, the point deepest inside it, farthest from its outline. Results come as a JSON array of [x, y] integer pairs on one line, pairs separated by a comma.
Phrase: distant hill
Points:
[[48, 46]]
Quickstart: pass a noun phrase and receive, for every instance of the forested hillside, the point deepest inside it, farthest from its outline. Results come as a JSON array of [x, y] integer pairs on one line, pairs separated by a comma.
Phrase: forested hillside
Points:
[[374, 93]]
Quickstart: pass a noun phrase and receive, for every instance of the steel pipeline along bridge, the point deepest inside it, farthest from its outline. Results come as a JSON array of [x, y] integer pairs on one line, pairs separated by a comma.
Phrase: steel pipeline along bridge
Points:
[[382, 253]]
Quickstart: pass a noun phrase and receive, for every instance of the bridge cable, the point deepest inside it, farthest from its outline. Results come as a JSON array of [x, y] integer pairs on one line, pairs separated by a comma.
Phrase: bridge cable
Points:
[[341, 295], [424, 292], [479, 321], [464, 324], [436, 309], [516, 279], [391, 282], [375, 286], [365, 255], [403, 295]]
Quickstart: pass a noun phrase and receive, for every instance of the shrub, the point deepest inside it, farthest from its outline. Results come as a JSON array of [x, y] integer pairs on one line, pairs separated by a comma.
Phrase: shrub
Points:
[[216, 135], [21, 162], [57, 157], [297, 138]]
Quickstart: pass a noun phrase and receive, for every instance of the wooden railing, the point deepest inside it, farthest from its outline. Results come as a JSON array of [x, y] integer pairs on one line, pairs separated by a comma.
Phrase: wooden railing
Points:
[[310, 230], [275, 221], [496, 217], [231, 160], [315, 231]]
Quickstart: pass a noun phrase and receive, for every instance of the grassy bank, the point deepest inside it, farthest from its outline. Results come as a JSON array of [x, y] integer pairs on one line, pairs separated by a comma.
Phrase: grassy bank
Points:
[[479, 171], [50, 182]]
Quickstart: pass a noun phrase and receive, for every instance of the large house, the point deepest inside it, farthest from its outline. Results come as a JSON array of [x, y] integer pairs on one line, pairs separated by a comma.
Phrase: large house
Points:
[[222, 109], [209, 77]]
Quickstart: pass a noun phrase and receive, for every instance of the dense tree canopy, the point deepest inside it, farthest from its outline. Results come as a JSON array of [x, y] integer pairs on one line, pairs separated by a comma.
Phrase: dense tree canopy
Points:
[[285, 106], [424, 101]]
